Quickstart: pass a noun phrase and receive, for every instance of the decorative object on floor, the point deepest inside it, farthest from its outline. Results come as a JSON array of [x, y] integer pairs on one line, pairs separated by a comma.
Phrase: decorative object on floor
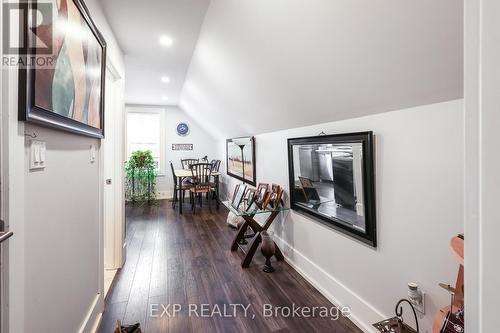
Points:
[[239, 192], [332, 179], [182, 129], [66, 92], [234, 221], [450, 319], [136, 328], [396, 324], [267, 248], [140, 173], [182, 146], [240, 159]]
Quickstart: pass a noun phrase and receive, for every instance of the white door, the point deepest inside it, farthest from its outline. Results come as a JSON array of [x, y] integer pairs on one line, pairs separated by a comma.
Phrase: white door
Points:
[[113, 194]]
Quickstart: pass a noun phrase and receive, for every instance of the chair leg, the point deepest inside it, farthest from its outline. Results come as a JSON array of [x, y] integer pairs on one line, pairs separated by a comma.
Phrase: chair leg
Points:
[[174, 198], [193, 202]]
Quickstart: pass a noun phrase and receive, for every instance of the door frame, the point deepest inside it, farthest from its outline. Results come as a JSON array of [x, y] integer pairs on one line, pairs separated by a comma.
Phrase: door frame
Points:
[[119, 248], [118, 235]]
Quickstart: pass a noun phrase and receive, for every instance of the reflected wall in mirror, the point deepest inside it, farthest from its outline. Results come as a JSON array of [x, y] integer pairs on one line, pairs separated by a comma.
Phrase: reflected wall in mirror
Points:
[[332, 180]]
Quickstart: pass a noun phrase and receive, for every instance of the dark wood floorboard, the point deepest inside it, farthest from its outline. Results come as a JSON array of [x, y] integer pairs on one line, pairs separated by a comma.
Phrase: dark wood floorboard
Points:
[[185, 259]]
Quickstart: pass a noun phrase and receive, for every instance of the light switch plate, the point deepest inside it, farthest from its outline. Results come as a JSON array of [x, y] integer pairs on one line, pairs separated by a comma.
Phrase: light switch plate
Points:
[[92, 153], [37, 155]]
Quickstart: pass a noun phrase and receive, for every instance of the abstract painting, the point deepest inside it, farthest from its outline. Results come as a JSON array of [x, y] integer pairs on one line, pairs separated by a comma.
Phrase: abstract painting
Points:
[[240, 158], [67, 92]]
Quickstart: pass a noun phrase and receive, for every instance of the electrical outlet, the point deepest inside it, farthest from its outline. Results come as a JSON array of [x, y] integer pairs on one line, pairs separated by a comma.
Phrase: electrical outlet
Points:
[[419, 307]]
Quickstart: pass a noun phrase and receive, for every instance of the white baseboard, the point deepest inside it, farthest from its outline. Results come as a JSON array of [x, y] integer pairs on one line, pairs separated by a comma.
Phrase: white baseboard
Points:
[[363, 314], [94, 315], [162, 195]]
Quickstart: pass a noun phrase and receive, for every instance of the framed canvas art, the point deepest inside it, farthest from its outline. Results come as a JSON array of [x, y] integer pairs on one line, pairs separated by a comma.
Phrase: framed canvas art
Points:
[[240, 159], [67, 92]]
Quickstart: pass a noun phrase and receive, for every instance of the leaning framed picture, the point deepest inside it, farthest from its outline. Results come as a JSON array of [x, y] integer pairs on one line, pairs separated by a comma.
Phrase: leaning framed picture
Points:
[[240, 159], [63, 86]]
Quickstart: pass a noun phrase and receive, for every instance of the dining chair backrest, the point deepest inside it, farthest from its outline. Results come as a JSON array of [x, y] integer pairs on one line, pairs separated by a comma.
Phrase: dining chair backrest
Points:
[[173, 174], [215, 165], [187, 162], [201, 173]]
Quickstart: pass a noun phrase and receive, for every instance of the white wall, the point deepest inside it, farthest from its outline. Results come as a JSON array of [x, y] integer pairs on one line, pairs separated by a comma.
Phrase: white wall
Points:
[[203, 143], [419, 194], [482, 164], [55, 256]]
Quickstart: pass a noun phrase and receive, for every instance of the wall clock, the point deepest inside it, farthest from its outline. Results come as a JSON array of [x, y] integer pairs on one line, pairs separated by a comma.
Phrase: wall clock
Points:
[[182, 129]]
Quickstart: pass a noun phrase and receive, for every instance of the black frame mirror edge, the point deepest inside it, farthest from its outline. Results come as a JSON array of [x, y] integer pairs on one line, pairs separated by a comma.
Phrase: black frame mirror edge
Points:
[[366, 138]]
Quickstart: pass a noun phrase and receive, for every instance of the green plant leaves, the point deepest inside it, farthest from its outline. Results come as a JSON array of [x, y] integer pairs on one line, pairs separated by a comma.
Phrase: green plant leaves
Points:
[[140, 173]]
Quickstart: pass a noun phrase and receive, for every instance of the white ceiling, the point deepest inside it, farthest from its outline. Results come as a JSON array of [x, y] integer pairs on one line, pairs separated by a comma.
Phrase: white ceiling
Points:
[[138, 26], [265, 65]]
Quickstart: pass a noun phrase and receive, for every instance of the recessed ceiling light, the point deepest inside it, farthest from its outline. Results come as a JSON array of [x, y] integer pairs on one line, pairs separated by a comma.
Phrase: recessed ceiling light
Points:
[[165, 79], [166, 41], [164, 98]]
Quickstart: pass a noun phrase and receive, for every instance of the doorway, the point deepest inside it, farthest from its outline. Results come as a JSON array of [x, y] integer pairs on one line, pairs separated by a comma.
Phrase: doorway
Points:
[[113, 193]]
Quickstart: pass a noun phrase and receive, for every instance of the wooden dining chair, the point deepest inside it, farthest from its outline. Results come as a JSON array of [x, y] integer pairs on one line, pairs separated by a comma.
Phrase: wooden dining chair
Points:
[[187, 162], [182, 186], [215, 165], [201, 174]]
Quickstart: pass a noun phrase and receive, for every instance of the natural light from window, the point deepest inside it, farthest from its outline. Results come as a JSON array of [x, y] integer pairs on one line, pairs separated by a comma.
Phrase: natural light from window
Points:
[[144, 133]]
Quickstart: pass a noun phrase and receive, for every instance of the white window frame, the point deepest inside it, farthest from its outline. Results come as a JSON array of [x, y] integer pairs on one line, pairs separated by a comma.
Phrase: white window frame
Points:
[[153, 110]]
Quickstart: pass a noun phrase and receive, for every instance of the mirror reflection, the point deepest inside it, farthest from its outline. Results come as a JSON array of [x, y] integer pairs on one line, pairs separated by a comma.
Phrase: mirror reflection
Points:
[[329, 180]]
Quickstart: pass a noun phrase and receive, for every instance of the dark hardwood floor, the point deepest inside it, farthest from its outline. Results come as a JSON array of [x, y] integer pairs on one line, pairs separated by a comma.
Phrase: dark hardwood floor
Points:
[[186, 259]]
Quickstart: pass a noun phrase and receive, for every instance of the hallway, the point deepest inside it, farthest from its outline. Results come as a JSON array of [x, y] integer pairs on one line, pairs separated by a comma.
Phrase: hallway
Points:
[[185, 259]]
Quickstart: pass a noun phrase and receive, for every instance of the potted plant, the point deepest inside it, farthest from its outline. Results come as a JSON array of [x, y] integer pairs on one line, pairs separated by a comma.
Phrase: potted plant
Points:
[[140, 172]]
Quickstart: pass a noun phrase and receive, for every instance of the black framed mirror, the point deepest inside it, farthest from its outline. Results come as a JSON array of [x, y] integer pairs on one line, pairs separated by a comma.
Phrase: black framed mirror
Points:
[[332, 179]]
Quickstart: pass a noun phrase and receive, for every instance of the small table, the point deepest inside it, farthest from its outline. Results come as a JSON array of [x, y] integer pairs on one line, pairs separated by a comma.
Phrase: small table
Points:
[[183, 173], [257, 228]]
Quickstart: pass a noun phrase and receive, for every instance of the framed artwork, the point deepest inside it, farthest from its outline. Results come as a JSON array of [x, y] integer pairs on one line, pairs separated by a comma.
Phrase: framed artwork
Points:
[[261, 191], [250, 196], [238, 195], [266, 199], [240, 159], [67, 92], [276, 196]]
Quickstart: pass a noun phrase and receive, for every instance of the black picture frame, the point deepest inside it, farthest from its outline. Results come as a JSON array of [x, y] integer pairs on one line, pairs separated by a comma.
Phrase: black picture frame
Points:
[[369, 236], [28, 110], [228, 170], [238, 196]]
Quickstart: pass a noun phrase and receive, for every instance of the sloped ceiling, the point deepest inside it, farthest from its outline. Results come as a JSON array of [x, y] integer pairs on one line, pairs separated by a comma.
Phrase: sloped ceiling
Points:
[[265, 65], [138, 26]]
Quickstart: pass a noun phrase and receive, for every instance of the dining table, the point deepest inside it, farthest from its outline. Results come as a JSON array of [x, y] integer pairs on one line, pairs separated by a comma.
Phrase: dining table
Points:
[[182, 174]]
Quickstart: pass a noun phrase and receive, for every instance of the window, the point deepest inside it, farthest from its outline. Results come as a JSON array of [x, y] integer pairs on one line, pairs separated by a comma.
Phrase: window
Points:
[[145, 131]]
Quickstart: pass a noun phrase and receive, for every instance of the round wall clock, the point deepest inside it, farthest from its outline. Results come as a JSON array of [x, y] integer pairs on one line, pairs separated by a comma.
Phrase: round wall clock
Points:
[[182, 129]]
